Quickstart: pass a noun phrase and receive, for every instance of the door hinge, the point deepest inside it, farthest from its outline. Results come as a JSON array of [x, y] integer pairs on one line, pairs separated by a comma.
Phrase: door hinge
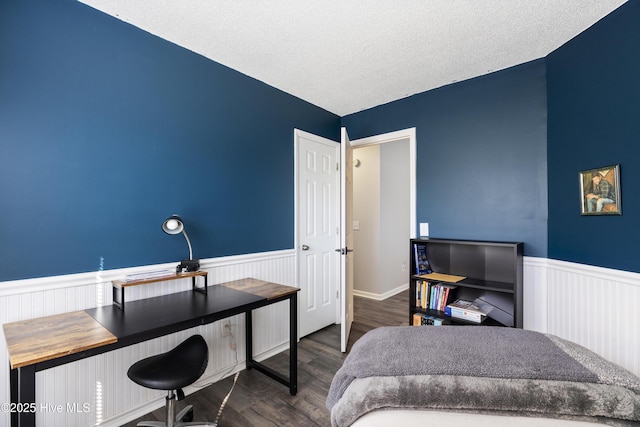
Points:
[[337, 294], [337, 166]]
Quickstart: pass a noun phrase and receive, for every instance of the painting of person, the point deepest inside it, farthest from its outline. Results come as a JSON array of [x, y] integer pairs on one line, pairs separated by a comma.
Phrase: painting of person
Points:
[[599, 193]]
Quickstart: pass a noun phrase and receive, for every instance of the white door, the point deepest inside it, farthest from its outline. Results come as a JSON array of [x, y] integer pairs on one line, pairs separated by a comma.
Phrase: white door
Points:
[[346, 239], [317, 230]]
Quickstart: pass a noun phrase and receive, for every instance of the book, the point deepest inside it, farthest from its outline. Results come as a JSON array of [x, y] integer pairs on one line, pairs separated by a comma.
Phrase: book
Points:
[[427, 320], [439, 295], [448, 293], [467, 310], [422, 262], [432, 297], [431, 321], [417, 319], [461, 314], [149, 275]]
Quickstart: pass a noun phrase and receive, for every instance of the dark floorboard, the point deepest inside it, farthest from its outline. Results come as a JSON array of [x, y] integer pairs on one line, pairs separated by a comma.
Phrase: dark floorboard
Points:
[[257, 400]]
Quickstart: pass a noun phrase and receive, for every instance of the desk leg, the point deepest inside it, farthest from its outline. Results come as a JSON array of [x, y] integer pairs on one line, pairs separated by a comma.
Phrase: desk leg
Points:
[[249, 340], [293, 344], [292, 381], [23, 396]]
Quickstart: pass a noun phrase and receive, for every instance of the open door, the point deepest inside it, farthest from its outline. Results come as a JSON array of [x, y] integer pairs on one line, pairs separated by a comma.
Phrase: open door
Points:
[[346, 239], [317, 189]]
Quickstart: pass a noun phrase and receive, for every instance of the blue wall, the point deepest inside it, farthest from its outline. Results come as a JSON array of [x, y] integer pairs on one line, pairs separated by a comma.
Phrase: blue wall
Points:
[[481, 155], [105, 130], [594, 121]]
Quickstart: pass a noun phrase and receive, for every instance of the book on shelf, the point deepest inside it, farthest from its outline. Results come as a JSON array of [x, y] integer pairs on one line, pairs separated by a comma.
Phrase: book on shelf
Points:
[[472, 311], [422, 293], [432, 320], [445, 294], [417, 319], [421, 261], [433, 296], [427, 320], [149, 275]]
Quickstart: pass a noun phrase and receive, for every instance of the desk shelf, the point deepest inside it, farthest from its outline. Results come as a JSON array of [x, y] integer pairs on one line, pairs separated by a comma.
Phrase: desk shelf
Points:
[[120, 285]]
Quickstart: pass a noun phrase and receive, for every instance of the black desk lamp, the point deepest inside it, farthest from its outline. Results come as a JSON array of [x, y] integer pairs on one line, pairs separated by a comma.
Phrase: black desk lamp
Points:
[[174, 225]]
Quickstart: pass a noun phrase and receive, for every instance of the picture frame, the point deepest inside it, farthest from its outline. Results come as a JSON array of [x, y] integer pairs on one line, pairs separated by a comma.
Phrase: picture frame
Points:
[[600, 191]]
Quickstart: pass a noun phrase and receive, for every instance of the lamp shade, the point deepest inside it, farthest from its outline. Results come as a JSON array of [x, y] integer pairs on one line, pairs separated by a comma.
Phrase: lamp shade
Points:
[[173, 225]]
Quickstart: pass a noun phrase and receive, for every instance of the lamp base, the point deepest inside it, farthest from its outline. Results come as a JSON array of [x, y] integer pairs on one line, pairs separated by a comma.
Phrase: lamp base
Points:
[[188, 265]]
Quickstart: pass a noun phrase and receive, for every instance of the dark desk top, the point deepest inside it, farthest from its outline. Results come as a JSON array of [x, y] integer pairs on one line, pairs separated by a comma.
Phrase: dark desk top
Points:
[[172, 312]]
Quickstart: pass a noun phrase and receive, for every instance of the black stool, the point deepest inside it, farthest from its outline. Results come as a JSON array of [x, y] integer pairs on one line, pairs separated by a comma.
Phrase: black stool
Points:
[[172, 371]]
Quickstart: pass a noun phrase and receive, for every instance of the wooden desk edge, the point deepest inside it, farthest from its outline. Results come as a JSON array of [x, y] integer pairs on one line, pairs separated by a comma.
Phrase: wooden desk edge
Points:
[[268, 290], [35, 340]]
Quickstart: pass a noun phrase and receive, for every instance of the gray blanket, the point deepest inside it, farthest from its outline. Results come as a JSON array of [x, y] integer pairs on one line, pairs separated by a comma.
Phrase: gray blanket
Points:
[[481, 369]]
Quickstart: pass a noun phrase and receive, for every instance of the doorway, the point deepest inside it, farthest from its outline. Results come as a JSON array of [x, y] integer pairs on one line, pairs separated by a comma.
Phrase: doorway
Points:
[[381, 219]]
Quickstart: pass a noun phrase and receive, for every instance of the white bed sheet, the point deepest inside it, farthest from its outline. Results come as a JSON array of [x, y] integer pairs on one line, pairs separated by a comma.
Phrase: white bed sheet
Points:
[[411, 417]]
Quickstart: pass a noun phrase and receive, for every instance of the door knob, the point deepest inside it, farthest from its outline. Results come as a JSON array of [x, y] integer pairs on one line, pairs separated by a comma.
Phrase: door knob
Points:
[[344, 251], [305, 247]]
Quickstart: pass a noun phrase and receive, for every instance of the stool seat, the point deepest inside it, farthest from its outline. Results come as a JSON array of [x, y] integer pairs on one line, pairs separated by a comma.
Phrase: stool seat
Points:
[[174, 369]]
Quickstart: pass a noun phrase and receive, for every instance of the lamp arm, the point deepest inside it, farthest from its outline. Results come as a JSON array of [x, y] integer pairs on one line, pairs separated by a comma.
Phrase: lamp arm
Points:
[[188, 243]]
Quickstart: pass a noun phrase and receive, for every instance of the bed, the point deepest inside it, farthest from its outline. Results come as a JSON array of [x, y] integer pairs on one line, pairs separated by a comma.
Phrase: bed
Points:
[[459, 375]]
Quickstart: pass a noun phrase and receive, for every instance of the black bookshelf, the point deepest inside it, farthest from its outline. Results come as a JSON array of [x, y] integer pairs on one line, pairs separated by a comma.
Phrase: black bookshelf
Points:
[[492, 271]]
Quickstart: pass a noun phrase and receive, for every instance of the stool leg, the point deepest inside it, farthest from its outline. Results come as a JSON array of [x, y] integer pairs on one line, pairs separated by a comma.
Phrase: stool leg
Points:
[[171, 409], [170, 413]]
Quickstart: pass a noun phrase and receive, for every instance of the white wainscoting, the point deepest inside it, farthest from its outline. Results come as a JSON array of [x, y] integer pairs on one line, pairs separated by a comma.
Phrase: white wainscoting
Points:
[[101, 381], [592, 306]]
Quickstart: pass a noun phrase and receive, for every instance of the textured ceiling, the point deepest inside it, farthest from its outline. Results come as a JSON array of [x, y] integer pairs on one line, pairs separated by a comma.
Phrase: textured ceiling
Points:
[[347, 55]]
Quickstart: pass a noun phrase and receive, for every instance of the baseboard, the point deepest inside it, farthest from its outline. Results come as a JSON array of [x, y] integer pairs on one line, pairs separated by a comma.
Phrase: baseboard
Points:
[[380, 297]]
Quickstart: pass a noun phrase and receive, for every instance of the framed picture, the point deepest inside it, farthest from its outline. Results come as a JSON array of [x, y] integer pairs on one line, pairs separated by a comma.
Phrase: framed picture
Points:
[[600, 191]]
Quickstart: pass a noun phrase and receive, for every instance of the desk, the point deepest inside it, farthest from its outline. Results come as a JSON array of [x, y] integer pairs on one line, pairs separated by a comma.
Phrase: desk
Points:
[[38, 344]]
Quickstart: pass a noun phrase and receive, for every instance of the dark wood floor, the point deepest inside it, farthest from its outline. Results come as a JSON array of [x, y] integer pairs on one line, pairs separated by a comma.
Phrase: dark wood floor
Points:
[[260, 401]]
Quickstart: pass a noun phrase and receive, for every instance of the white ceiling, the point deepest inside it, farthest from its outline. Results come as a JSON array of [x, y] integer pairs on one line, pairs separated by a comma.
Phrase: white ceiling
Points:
[[347, 55]]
